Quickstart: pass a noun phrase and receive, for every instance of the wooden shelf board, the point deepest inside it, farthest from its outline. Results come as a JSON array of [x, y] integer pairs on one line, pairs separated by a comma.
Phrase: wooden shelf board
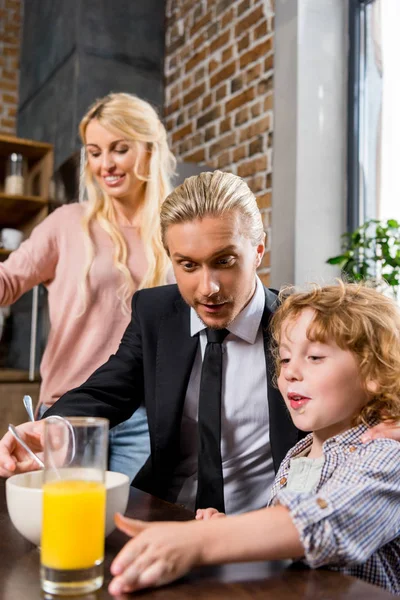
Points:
[[29, 148], [16, 375], [16, 210]]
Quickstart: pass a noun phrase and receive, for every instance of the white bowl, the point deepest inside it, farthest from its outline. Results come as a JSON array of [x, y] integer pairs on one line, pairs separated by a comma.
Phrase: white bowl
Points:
[[24, 501]]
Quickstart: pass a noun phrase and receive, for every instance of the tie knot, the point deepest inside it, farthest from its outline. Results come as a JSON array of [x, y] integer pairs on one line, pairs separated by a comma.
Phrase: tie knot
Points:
[[216, 336]]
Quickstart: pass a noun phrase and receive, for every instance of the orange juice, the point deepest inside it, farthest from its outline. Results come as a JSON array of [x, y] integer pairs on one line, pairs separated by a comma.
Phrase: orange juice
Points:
[[73, 524]]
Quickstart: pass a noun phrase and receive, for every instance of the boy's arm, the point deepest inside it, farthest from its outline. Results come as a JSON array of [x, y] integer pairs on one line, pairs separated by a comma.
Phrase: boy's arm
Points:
[[162, 552], [356, 512]]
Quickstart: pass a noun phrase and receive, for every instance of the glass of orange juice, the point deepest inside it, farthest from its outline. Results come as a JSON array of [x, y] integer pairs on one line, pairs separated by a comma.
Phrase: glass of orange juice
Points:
[[74, 503]]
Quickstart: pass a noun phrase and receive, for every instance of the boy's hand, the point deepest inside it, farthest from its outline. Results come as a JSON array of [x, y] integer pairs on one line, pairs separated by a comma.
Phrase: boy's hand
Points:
[[157, 554], [13, 457], [202, 514], [389, 429]]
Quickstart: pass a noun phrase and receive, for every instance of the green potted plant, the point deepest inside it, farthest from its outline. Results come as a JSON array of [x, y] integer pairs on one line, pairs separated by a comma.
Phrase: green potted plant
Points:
[[372, 252]]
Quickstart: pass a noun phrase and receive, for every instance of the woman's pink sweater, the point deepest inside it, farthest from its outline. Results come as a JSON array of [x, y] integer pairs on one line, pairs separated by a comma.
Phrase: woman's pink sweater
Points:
[[55, 256]]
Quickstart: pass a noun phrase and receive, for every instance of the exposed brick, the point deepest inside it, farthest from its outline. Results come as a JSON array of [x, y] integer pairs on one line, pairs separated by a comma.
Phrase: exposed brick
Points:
[[264, 201], [269, 63], [249, 20], [270, 139], [171, 108], [227, 18], [221, 92], [194, 110], [180, 119], [256, 109], [260, 30], [223, 143], [222, 5], [9, 123], [256, 183], [265, 85], [187, 82], [195, 93], [236, 84], [223, 74], [239, 100], [10, 51], [174, 46], [225, 125], [242, 116], [252, 167], [172, 77], [210, 133], [227, 54], [198, 156], [224, 159], [10, 86], [220, 41], [200, 23], [255, 53], [182, 132], [200, 73], [243, 6], [212, 65], [255, 128], [240, 152], [206, 102], [199, 40], [268, 182], [269, 102], [212, 30], [197, 58], [256, 146], [253, 73], [243, 43], [209, 116], [9, 98]]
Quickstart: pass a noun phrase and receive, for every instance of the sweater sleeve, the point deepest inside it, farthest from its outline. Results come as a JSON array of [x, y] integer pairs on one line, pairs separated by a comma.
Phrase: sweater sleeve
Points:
[[33, 262]]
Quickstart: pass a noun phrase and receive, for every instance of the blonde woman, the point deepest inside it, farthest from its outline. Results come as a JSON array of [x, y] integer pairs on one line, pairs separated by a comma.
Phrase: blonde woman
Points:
[[94, 255]]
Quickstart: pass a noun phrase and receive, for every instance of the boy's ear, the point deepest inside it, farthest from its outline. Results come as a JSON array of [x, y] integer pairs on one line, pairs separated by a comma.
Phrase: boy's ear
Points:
[[372, 386]]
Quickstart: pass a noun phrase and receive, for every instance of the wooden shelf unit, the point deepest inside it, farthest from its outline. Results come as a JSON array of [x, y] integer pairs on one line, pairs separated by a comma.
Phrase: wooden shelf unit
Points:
[[25, 211]]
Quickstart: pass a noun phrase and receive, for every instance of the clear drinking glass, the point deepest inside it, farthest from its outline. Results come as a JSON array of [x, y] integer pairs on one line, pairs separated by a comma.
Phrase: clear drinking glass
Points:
[[74, 503]]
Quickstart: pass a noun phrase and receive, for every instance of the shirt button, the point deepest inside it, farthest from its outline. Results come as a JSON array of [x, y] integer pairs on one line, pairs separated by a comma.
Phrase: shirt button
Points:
[[352, 449], [283, 480], [322, 503]]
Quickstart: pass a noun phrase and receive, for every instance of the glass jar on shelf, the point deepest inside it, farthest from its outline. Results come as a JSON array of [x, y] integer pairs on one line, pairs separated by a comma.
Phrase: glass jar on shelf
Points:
[[14, 182]]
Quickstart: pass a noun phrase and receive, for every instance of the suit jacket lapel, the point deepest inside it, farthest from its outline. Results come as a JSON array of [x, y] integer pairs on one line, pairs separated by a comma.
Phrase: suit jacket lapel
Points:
[[283, 434], [176, 350]]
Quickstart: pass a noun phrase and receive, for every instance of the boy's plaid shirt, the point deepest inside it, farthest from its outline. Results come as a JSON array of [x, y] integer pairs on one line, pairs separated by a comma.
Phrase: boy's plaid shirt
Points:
[[351, 520]]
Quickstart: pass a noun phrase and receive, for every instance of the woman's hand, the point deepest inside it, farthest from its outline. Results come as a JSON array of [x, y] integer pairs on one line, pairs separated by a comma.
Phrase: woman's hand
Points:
[[202, 514], [157, 554], [388, 429], [13, 457]]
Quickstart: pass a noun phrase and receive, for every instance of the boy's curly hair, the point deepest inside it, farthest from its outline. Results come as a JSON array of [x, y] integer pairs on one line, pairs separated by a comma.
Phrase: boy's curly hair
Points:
[[359, 319]]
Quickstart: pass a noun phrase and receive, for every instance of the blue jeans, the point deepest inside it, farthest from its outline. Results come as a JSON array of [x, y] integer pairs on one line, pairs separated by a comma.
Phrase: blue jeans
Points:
[[129, 443]]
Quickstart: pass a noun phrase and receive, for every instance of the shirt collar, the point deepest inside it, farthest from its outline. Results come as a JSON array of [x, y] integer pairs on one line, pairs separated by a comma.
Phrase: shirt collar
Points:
[[246, 324]]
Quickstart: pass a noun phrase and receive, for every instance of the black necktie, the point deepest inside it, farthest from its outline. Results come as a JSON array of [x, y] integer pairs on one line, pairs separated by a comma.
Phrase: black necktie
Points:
[[210, 486]]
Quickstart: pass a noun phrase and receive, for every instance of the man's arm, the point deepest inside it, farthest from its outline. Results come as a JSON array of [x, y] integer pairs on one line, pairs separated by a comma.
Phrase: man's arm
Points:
[[115, 389], [390, 430]]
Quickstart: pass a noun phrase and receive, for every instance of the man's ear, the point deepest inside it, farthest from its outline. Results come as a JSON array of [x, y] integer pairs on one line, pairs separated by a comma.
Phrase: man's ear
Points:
[[260, 252]]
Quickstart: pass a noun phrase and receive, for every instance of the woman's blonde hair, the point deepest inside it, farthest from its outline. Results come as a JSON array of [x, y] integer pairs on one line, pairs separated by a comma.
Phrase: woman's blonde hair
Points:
[[138, 122], [359, 319], [212, 194]]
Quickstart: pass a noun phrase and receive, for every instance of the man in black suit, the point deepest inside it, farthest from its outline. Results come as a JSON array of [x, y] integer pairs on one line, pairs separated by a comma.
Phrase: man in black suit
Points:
[[212, 230]]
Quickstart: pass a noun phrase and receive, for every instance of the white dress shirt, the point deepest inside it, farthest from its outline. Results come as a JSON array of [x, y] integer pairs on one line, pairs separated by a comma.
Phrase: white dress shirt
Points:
[[245, 446]]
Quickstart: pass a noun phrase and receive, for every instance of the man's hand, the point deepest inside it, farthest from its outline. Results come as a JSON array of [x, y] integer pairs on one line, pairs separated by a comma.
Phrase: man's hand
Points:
[[13, 457], [202, 514], [157, 554], [388, 429]]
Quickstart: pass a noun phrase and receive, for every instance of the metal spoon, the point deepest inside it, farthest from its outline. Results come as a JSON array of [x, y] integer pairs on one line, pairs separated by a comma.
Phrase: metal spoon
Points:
[[15, 433], [29, 407]]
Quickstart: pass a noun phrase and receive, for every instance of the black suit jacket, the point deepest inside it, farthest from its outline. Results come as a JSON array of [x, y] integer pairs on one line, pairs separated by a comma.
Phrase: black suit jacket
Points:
[[153, 365]]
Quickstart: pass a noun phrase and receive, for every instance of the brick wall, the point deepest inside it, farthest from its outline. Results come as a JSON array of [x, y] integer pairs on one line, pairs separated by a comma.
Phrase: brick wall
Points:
[[10, 29], [219, 90]]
